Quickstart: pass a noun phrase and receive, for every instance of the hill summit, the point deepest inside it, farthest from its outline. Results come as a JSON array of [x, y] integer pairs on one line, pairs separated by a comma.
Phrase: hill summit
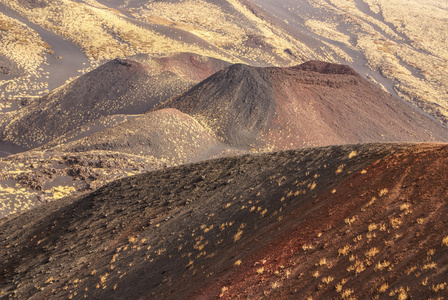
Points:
[[313, 104]]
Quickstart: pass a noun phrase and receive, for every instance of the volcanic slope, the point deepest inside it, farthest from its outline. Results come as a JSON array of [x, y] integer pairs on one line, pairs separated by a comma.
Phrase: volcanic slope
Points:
[[400, 43], [31, 178], [314, 222], [117, 87], [313, 104], [166, 134], [44, 43], [151, 141]]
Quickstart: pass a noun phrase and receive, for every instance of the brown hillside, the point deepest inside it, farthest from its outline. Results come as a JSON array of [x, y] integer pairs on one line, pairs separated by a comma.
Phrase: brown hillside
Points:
[[313, 104], [360, 221], [118, 87], [234, 111]]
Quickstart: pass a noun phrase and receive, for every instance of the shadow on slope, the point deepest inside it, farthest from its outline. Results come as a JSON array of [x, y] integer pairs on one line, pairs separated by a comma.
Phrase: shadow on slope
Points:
[[313, 104], [249, 225], [117, 87], [33, 178]]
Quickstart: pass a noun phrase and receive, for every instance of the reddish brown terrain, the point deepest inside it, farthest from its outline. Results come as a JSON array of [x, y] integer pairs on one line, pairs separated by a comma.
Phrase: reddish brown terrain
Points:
[[223, 149], [351, 222], [313, 104], [239, 109]]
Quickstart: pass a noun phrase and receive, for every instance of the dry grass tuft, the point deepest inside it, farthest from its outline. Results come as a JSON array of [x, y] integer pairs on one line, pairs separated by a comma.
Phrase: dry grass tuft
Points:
[[445, 241]]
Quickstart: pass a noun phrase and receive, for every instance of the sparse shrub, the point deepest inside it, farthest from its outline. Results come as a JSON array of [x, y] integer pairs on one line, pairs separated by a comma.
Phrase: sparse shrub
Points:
[[382, 265], [445, 241], [429, 266], [372, 227], [383, 288], [372, 252], [383, 192], [395, 223], [358, 267], [438, 287], [402, 295], [346, 293], [404, 206], [352, 154], [357, 238], [307, 247], [322, 261], [344, 251], [327, 280], [103, 278], [349, 221], [340, 169]]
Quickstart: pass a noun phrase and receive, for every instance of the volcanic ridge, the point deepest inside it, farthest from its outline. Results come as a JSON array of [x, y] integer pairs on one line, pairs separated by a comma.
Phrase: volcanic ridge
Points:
[[238, 109], [206, 149], [314, 222]]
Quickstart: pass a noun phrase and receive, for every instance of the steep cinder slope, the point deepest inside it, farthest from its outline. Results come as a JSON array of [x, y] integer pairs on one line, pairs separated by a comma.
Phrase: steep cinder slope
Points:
[[237, 103], [380, 232], [312, 222], [313, 104], [117, 87]]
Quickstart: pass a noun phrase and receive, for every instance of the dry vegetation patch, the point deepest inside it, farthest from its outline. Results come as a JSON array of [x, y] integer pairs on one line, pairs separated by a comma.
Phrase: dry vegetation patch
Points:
[[26, 50], [404, 40]]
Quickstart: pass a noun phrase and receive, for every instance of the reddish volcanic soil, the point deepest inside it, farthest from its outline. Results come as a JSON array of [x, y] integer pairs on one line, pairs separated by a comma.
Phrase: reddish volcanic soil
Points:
[[191, 66], [358, 221], [378, 234], [313, 104]]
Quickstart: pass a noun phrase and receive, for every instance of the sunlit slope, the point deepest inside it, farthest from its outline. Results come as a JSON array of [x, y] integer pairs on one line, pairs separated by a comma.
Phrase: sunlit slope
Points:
[[167, 134], [232, 30], [403, 41]]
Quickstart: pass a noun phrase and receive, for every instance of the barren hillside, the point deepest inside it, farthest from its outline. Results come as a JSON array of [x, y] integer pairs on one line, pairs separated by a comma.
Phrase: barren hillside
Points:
[[313, 104], [360, 221], [116, 88], [240, 109]]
